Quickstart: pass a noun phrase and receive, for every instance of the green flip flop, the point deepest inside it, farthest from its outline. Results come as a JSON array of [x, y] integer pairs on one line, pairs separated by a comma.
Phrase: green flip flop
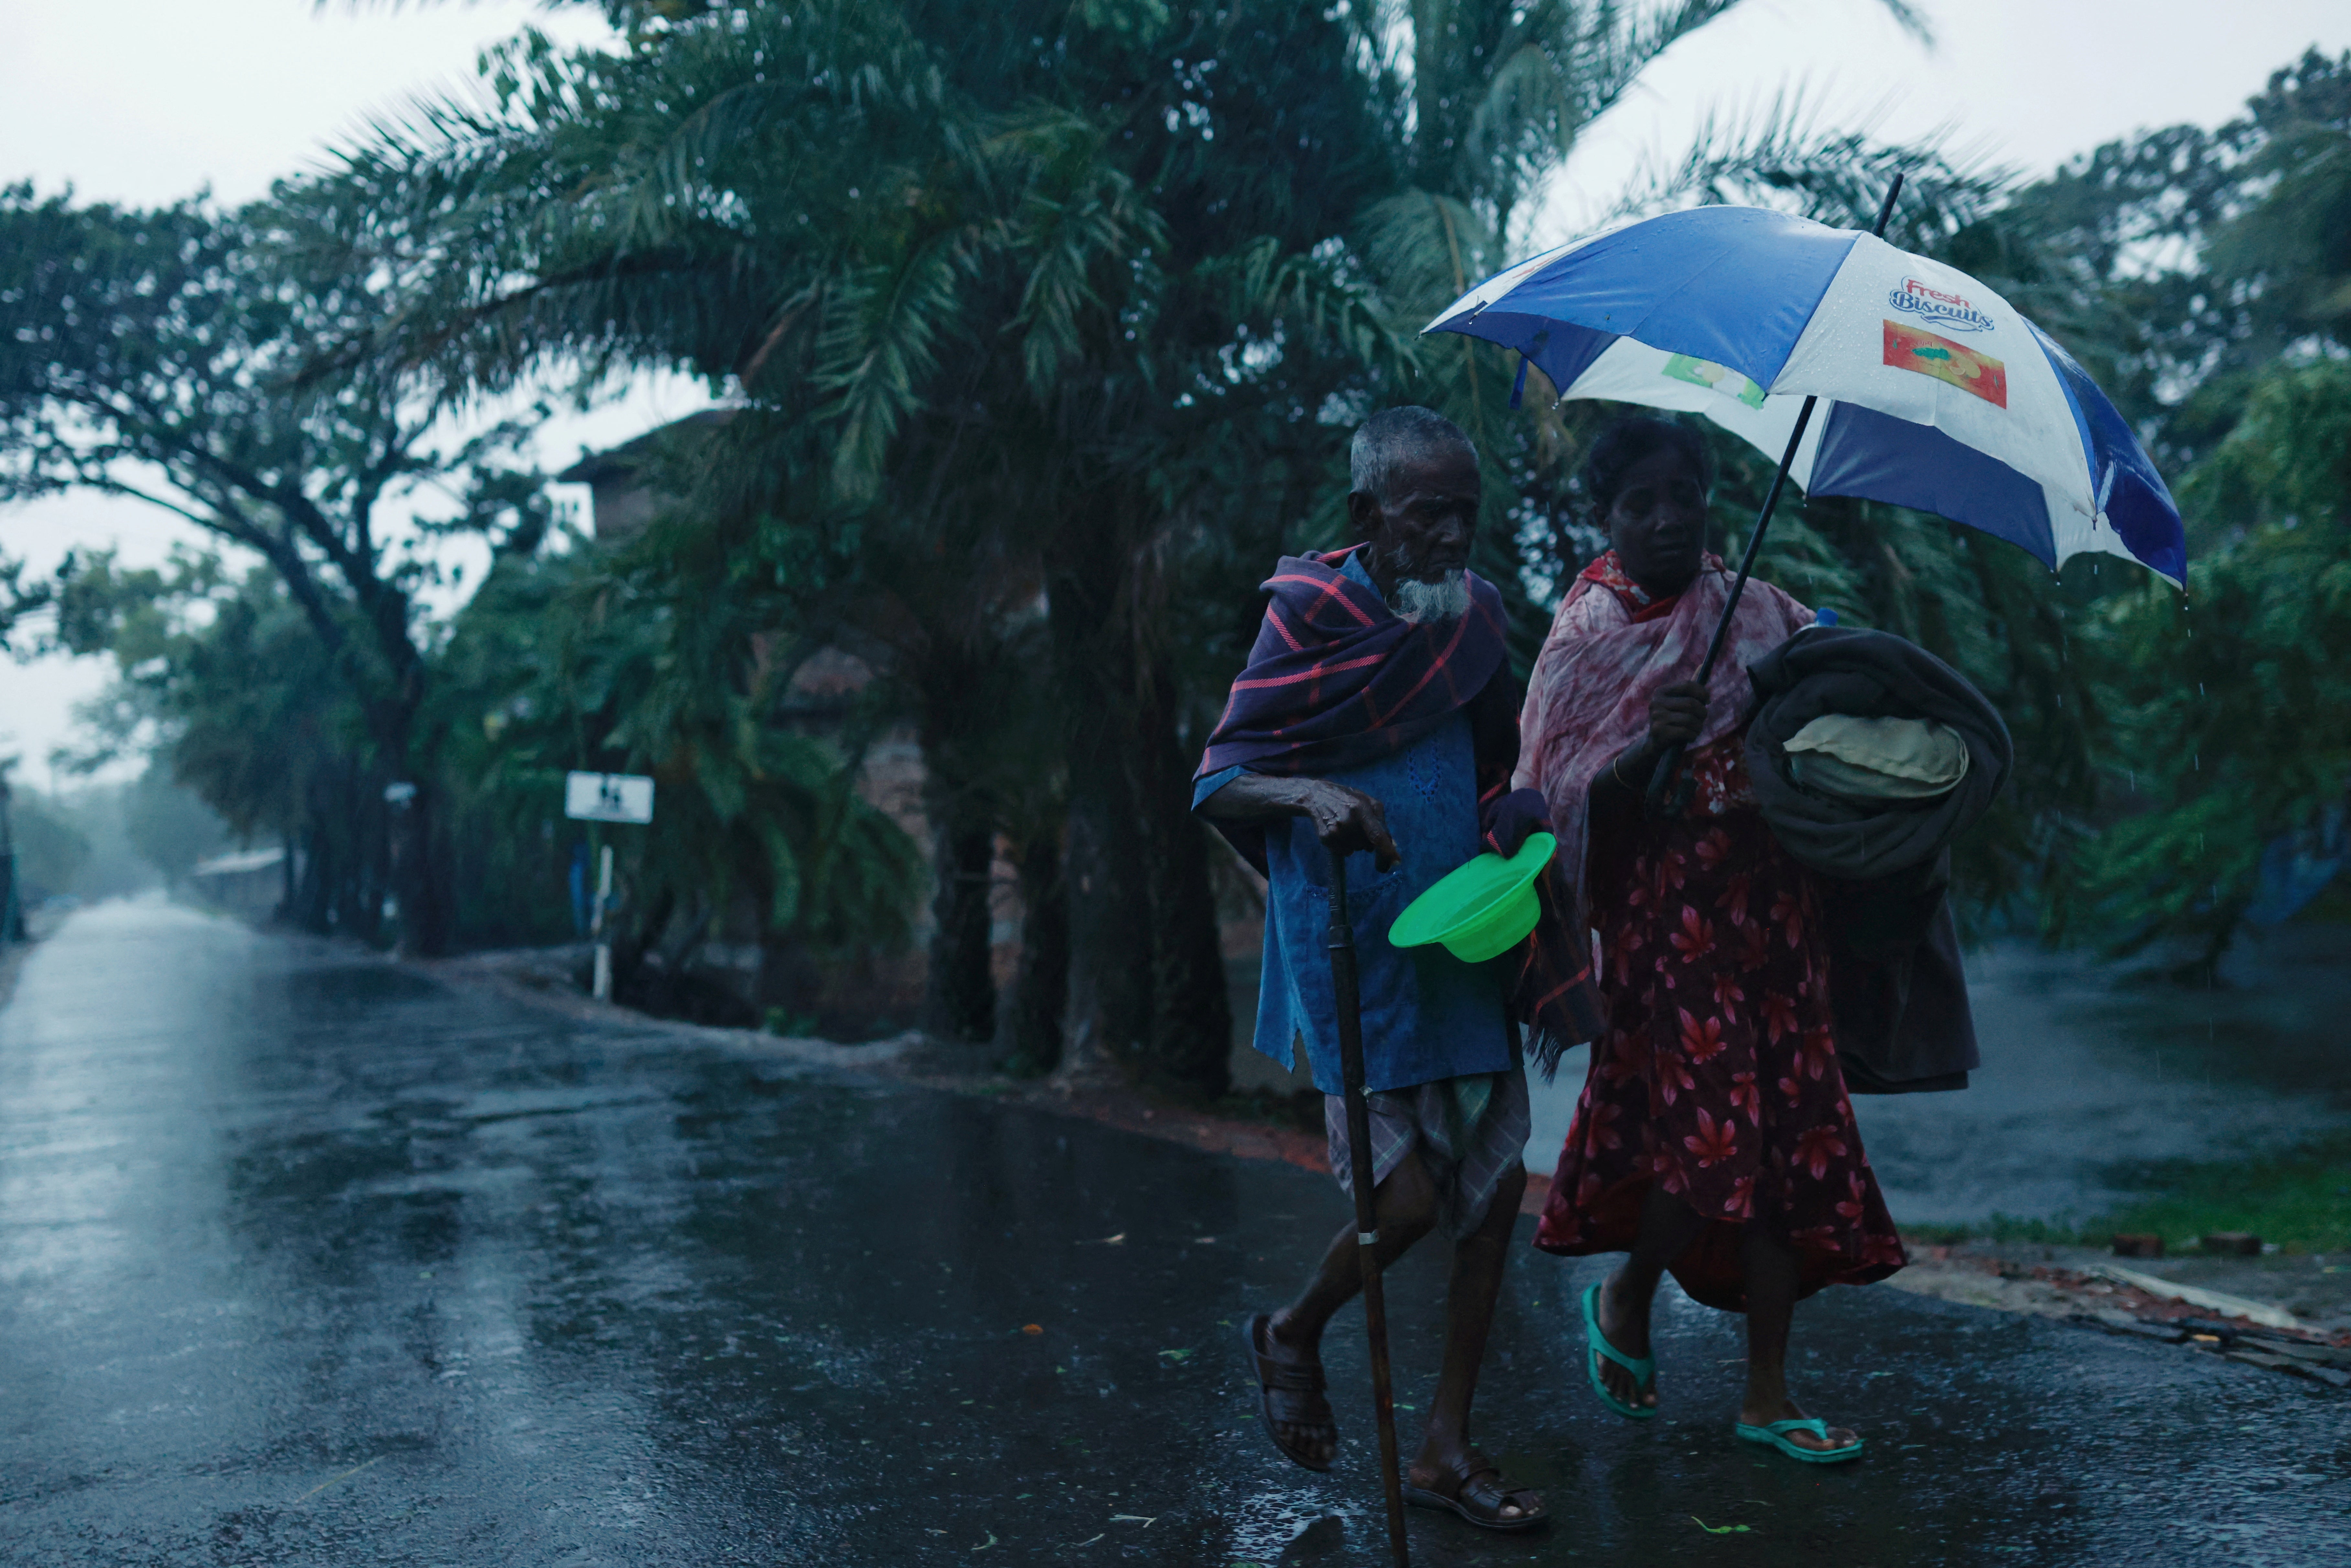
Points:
[[1644, 1368], [1775, 1436]]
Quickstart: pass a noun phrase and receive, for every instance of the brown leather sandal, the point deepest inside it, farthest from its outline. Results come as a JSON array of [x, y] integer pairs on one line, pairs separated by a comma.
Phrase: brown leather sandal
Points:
[[1480, 1497], [1289, 1392]]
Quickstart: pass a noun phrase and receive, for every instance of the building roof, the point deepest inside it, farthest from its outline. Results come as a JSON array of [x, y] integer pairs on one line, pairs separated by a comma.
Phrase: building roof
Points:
[[619, 462]]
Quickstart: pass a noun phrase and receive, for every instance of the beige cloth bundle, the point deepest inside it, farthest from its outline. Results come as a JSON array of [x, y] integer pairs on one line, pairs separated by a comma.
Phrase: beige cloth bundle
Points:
[[1877, 759]]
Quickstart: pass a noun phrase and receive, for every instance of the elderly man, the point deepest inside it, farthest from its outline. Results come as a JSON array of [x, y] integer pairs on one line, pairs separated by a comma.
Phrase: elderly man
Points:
[[1376, 710]]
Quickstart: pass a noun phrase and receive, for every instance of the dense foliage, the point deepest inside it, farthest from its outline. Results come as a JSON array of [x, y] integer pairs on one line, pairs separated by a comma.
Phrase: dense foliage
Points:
[[2210, 272], [1042, 327]]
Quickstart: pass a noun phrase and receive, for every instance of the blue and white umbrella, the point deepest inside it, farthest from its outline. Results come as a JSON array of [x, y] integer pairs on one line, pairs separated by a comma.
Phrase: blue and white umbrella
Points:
[[1939, 395]]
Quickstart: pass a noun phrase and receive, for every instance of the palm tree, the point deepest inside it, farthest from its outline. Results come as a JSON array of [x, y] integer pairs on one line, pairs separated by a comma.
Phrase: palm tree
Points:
[[988, 337], [1078, 324]]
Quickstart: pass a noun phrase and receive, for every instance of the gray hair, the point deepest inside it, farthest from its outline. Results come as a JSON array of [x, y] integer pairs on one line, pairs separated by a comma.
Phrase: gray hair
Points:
[[1393, 437]]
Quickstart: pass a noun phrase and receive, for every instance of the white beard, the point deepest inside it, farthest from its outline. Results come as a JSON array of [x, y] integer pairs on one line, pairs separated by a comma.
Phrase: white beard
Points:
[[1447, 599]]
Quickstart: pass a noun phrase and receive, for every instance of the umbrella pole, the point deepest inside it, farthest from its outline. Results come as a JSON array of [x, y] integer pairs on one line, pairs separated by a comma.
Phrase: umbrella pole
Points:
[[1359, 1166], [1661, 782]]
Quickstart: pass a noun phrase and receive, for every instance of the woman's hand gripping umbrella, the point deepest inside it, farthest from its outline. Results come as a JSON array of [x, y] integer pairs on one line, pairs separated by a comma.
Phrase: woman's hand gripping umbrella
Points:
[[1939, 395]]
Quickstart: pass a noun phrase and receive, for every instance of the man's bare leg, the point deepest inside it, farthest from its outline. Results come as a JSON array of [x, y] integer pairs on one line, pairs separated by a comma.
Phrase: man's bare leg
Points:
[[1478, 1261], [1405, 1204], [1668, 1226], [1772, 1281]]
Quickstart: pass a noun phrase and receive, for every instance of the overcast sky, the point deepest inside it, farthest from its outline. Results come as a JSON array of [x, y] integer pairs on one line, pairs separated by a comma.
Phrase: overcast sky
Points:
[[147, 101]]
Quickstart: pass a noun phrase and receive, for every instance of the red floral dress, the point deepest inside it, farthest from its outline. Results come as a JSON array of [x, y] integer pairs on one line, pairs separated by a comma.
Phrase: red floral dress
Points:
[[1719, 1073]]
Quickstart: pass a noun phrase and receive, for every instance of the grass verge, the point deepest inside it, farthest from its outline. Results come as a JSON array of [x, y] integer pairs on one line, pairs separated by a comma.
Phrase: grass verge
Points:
[[2300, 1199]]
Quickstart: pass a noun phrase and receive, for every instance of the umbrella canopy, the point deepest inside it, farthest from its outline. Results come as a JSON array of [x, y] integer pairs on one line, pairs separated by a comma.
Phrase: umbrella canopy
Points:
[[1940, 395]]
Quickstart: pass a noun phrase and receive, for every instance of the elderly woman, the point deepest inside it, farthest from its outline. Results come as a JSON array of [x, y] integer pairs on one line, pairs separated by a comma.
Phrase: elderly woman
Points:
[[1714, 1138]]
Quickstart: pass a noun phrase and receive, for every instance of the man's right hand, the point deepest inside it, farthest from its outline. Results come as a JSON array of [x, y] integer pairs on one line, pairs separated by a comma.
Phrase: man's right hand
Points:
[[1347, 820]]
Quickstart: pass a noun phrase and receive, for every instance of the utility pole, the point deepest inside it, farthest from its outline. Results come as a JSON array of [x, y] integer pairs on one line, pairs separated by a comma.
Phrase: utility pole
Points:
[[596, 929], [12, 912]]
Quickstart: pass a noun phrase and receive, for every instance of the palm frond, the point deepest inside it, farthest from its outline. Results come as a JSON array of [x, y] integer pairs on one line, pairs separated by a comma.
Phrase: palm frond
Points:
[[1779, 153]]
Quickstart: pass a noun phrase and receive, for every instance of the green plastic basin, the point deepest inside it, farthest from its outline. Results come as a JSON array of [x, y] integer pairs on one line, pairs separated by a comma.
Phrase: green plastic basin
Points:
[[1480, 910]]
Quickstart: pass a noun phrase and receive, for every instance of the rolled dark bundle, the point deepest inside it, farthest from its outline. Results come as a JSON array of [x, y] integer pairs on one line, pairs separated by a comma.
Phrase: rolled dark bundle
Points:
[[1867, 674], [1895, 979]]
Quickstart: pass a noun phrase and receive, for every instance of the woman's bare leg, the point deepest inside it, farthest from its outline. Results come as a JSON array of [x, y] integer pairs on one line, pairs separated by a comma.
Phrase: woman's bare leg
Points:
[[1668, 1226], [1771, 1280]]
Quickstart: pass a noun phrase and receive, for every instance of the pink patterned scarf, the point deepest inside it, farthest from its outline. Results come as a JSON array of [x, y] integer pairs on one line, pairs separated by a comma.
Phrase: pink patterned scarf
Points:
[[1611, 648]]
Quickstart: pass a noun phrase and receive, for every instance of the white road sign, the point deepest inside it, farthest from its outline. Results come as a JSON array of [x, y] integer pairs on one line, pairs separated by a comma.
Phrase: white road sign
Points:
[[608, 797]]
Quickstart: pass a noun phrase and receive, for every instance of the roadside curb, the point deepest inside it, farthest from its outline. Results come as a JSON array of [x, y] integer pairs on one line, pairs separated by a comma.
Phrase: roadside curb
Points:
[[2094, 1298]]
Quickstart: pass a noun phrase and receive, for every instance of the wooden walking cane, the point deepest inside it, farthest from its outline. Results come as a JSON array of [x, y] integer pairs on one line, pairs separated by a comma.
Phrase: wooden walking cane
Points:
[[1669, 766], [1359, 1173]]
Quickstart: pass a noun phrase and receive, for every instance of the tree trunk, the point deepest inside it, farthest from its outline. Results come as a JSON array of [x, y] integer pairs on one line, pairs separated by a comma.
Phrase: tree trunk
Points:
[[417, 848], [1190, 1043], [1041, 986], [957, 720], [414, 847], [312, 905], [959, 992], [285, 885], [1108, 1019]]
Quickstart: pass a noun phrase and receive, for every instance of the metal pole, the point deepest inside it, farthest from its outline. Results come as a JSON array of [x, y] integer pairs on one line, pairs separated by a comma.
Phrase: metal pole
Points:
[[603, 946], [1359, 1167], [1661, 782]]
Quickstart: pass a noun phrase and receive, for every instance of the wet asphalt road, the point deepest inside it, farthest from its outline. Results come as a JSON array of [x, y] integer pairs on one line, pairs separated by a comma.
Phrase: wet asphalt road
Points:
[[309, 1260]]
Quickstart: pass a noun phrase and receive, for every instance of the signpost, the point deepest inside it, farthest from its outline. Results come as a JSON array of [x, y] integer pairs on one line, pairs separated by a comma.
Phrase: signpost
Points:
[[606, 797]]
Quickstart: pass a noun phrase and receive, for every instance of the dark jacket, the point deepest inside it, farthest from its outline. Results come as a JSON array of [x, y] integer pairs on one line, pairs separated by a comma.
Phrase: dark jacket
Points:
[[1896, 980]]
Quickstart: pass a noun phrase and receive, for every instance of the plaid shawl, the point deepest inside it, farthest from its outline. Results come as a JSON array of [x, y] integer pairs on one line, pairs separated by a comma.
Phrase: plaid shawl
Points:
[[1336, 680]]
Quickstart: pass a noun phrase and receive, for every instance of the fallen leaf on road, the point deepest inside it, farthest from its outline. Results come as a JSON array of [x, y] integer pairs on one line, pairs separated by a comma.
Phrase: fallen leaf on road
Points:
[[1033, 1327], [1175, 1354], [986, 1543], [346, 1475], [1719, 1528], [1116, 1241]]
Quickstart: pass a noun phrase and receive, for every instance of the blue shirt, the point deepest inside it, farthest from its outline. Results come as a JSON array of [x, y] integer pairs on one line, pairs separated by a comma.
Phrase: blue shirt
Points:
[[1427, 1015]]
